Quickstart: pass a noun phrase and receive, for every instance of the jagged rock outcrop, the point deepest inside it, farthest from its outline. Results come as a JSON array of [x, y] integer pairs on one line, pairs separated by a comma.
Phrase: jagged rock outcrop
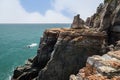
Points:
[[65, 51], [107, 19], [46, 47], [106, 67], [31, 69], [107, 15], [67, 48], [73, 47], [78, 23]]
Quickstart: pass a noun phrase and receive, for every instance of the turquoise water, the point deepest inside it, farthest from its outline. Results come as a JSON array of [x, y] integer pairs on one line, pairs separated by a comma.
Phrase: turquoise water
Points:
[[13, 41]]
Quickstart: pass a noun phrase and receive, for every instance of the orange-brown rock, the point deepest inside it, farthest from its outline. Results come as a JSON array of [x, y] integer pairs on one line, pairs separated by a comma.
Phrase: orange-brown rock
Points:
[[60, 51], [106, 67], [73, 47]]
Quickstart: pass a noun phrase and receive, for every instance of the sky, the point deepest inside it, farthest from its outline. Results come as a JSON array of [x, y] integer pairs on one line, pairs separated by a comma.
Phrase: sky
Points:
[[45, 11]]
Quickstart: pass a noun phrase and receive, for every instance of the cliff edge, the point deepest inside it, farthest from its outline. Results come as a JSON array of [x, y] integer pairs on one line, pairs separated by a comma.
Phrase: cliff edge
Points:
[[90, 49]]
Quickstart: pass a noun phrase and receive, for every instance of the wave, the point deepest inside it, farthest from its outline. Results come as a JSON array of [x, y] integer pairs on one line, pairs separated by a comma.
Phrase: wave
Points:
[[8, 77], [32, 45]]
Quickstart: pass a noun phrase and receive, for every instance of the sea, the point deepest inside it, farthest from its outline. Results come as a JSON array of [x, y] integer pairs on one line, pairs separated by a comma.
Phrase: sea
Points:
[[14, 42]]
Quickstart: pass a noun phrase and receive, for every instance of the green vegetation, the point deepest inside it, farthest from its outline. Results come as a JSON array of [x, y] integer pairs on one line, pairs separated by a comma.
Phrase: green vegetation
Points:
[[107, 1], [97, 17]]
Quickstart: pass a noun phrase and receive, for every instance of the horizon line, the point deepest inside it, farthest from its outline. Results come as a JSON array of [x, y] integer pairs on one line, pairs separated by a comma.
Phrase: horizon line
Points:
[[35, 23]]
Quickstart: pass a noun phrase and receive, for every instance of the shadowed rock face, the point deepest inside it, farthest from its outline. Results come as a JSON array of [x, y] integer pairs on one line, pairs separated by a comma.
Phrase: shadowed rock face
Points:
[[65, 51], [106, 67], [32, 67], [46, 46], [62, 50], [72, 48]]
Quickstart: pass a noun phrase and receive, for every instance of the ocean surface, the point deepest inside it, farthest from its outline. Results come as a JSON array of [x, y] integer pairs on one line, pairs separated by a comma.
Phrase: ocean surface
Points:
[[14, 42]]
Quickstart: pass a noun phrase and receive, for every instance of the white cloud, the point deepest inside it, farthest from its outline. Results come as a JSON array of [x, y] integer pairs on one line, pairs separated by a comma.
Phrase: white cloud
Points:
[[11, 11], [83, 7]]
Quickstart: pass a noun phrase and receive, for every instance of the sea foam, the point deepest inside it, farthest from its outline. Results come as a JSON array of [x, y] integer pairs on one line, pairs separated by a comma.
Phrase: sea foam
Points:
[[32, 45]]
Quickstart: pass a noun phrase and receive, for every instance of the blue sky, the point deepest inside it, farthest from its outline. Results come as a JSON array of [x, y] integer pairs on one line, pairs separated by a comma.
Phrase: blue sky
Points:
[[45, 11], [36, 5]]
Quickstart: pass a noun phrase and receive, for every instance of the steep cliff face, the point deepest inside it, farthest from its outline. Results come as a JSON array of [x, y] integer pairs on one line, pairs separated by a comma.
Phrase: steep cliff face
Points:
[[107, 18], [63, 51], [106, 67], [73, 47], [31, 69], [67, 48], [45, 49]]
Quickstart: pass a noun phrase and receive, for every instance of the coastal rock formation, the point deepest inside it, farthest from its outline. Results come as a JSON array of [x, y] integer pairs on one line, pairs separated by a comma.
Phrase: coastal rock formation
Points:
[[67, 48], [45, 49], [78, 23], [107, 18], [73, 47], [91, 47], [33, 66], [106, 67]]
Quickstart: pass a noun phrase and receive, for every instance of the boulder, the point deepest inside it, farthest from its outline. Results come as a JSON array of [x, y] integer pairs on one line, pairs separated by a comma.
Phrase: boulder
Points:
[[78, 23]]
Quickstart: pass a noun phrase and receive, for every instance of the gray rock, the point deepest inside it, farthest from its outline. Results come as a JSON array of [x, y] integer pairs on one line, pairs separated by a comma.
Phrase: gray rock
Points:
[[78, 23]]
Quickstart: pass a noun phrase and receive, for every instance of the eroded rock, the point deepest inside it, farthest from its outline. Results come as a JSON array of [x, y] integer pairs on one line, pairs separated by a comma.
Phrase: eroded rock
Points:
[[106, 67], [31, 69], [73, 47], [78, 23]]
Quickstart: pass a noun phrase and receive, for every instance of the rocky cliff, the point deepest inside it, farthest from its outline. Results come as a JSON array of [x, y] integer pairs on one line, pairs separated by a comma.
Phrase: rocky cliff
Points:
[[106, 67], [91, 47]]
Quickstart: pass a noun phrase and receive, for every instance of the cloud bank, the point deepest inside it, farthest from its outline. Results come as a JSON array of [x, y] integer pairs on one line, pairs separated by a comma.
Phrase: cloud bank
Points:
[[11, 11], [83, 7]]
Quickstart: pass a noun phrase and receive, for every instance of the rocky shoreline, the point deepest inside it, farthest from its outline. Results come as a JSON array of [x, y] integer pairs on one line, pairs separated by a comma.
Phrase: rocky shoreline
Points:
[[89, 50]]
